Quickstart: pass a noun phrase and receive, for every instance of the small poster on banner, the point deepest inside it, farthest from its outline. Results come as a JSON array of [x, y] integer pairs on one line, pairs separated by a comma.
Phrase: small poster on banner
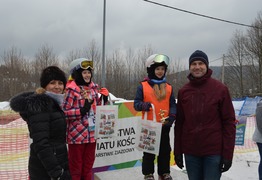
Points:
[[106, 121], [149, 136]]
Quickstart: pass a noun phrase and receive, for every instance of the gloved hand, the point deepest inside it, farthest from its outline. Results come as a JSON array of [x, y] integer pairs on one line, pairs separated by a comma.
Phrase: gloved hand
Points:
[[86, 107], [105, 99], [104, 91], [169, 121], [225, 165], [179, 161], [104, 94], [65, 176], [146, 106]]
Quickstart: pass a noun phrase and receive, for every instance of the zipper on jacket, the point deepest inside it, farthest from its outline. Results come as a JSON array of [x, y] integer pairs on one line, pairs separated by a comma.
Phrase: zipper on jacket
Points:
[[54, 149]]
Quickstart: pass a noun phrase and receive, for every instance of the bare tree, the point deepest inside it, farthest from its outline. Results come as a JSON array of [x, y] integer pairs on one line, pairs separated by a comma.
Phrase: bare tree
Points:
[[254, 47], [43, 58], [115, 72], [124, 71], [235, 59], [244, 61], [176, 75], [139, 68], [74, 54], [14, 77], [93, 52]]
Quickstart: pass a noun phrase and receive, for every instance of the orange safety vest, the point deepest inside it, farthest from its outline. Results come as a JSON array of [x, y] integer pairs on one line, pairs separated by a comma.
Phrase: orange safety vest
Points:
[[161, 107]]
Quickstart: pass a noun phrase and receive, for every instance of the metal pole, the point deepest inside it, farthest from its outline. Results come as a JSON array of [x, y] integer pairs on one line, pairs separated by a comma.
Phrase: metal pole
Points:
[[103, 49]]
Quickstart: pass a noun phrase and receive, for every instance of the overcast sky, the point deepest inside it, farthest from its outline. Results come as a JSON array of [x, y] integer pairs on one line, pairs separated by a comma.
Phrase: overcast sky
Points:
[[66, 25]]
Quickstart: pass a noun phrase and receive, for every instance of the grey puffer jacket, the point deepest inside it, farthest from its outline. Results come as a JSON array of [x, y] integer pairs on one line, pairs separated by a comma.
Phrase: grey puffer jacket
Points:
[[47, 127], [257, 136]]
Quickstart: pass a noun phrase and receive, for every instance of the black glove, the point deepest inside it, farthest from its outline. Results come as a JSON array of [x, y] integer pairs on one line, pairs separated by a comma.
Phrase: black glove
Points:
[[146, 106], [86, 107], [179, 161], [169, 121], [225, 165], [105, 98], [65, 176]]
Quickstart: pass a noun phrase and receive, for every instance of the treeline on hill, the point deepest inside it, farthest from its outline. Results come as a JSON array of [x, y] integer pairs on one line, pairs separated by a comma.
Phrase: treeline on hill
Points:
[[241, 70], [124, 71]]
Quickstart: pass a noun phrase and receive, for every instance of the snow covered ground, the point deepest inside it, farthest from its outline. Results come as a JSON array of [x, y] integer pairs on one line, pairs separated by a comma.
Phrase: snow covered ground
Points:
[[4, 105], [244, 167]]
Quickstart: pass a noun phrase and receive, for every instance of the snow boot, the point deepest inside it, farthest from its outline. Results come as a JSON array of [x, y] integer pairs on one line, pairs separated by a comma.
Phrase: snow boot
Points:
[[149, 177], [165, 176]]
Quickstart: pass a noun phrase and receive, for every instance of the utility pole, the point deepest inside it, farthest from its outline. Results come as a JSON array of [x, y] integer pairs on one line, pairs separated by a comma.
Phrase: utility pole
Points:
[[223, 69], [103, 76]]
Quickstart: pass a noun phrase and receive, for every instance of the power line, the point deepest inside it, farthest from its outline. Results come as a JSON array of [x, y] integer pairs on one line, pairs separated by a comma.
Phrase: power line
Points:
[[216, 59], [197, 14]]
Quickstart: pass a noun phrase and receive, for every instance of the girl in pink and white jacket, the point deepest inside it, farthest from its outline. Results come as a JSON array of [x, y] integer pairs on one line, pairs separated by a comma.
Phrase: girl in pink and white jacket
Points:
[[80, 108]]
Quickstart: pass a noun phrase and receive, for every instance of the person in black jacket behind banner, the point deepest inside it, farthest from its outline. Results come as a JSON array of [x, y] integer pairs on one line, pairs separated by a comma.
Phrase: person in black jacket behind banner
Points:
[[47, 126]]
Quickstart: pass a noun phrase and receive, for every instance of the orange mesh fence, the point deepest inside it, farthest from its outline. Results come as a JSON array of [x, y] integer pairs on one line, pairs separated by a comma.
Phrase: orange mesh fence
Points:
[[14, 148]]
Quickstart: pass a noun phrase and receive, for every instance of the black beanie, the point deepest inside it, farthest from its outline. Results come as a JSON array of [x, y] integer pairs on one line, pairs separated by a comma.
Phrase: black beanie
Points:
[[77, 76], [200, 56], [151, 70], [52, 73]]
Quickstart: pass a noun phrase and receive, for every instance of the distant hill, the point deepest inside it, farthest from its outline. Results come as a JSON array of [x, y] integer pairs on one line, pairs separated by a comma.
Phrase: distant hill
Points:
[[217, 70]]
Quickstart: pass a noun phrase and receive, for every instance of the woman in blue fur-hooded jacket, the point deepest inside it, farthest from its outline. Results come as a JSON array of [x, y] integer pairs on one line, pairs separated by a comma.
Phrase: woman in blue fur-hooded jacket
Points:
[[47, 126]]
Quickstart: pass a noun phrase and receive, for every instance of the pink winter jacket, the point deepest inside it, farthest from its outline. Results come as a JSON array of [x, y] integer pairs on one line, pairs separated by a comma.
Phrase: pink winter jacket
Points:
[[78, 127]]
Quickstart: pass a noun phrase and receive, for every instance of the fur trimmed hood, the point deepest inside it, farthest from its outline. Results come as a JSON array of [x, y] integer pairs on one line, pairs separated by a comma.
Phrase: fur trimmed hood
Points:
[[32, 103]]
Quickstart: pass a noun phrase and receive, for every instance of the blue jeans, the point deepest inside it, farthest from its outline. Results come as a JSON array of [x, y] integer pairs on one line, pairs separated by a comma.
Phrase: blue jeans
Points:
[[203, 167], [259, 145]]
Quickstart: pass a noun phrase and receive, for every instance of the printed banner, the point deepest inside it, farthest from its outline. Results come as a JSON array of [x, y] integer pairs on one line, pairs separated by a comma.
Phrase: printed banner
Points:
[[249, 145], [120, 149], [240, 130]]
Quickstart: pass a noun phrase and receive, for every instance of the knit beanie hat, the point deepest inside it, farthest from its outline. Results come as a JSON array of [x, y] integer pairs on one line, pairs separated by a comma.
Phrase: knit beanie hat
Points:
[[52, 73], [198, 56]]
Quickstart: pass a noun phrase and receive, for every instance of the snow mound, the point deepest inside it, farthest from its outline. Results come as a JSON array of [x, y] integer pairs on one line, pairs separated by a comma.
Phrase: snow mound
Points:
[[4, 105]]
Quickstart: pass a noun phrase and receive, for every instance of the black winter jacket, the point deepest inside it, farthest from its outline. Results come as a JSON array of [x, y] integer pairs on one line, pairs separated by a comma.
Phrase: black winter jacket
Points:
[[47, 127]]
